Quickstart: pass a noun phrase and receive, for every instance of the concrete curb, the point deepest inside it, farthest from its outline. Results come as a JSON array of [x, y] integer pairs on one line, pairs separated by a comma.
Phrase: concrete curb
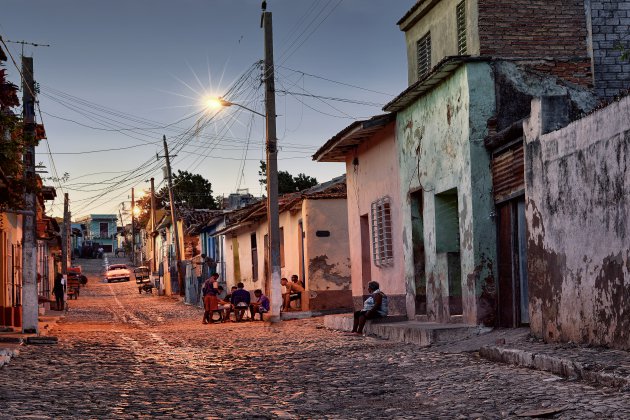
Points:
[[422, 334], [557, 365]]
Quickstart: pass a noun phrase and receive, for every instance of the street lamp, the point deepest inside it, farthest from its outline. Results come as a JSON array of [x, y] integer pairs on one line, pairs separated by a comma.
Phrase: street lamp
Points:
[[218, 103]]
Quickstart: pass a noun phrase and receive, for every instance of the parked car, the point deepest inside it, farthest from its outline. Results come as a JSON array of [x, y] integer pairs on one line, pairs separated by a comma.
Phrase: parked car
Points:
[[117, 272]]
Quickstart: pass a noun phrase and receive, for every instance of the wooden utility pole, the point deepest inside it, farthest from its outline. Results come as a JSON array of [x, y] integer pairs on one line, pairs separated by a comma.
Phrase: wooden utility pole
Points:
[[30, 305], [272, 168], [64, 236], [133, 228], [153, 253], [178, 255]]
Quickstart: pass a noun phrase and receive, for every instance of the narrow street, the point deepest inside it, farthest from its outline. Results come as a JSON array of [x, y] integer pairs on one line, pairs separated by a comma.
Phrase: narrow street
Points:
[[126, 355]]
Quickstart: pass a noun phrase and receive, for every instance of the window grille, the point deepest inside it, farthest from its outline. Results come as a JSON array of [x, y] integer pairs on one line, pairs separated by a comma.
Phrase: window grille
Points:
[[424, 56], [461, 28], [382, 248]]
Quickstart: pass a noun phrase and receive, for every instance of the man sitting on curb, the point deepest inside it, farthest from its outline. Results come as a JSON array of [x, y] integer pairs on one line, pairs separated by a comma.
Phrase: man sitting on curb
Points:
[[375, 306], [261, 306], [293, 291]]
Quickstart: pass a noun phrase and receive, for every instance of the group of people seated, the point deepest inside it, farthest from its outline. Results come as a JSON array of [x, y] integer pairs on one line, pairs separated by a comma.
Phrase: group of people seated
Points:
[[237, 301]]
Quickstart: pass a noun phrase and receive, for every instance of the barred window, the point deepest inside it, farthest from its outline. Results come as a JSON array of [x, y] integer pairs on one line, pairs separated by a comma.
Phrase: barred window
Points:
[[461, 28], [424, 55], [382, 250]]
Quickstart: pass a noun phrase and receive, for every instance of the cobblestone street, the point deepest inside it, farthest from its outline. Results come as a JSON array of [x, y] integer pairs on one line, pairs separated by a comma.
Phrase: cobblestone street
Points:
[[122, 354]]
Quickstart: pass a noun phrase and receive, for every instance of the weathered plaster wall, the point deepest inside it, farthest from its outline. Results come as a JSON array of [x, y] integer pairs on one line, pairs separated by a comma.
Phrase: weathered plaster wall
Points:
[[578, 204], [440, 147], [373, 177], [327, 257], [441, 21]]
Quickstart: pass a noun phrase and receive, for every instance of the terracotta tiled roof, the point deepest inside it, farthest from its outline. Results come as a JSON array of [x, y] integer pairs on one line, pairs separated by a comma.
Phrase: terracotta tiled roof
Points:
[[253, 213]]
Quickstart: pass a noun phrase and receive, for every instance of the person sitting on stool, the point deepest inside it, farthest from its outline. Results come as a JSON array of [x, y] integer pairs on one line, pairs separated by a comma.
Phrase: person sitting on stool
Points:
[[261, 306], [240, 301]]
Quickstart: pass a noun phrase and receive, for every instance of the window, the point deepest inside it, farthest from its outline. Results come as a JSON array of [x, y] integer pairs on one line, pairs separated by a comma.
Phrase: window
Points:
[[424, 55], [104, 229], [254, 248], [461, 28], [382, 250]]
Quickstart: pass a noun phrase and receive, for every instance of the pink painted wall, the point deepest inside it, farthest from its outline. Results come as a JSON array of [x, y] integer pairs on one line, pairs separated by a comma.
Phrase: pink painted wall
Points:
[[376, 176]]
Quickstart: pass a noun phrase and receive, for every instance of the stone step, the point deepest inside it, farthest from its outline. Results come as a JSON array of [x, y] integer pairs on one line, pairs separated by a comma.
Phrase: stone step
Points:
[[559, 365], [42, 340], [11, 339], [423, 334]]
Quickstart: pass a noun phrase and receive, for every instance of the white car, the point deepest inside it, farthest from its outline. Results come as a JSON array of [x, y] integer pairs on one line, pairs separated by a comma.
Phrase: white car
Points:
[[117, 272]]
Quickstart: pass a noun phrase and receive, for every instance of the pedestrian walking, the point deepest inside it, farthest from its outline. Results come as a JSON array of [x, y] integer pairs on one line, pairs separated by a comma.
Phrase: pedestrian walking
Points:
[[58, 291]]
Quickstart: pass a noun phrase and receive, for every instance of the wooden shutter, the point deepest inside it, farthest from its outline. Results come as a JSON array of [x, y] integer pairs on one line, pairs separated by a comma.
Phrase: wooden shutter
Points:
[[508, 171]]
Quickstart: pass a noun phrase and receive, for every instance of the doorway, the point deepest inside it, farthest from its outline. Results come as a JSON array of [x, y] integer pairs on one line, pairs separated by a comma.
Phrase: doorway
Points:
[[513, 307], [417, 238], [300, 238], [366, 267], [447, 247]]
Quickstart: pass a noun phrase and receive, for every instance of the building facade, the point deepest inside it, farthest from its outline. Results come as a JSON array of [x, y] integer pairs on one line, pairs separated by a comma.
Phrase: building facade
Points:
[[368, 149], [101, 229]]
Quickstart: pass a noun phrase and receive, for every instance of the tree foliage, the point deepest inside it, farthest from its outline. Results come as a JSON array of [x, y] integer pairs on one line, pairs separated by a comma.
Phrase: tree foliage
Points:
[[191, 191], [287, 183], [11, 147]]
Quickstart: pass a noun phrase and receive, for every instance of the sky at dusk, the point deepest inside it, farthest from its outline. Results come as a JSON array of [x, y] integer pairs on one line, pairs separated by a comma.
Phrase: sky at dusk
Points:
[[119, 74]]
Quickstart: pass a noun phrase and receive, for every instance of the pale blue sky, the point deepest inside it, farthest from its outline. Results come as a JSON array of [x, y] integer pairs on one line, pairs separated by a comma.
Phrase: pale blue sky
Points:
[[144, 64]]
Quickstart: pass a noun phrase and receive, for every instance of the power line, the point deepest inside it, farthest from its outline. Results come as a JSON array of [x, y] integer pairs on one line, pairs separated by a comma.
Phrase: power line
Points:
[[335, 81]]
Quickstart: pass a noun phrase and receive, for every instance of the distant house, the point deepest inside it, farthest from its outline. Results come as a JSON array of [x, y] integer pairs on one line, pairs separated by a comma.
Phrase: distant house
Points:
[[313, 245], [101, 229]]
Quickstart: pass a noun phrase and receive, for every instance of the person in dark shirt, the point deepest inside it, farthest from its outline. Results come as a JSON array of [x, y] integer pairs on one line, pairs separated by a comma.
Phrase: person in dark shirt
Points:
[[261, 305], [240, 301]]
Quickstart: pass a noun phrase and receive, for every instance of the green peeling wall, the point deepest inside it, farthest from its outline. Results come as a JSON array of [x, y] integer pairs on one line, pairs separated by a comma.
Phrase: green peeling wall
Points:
[[440, 149]]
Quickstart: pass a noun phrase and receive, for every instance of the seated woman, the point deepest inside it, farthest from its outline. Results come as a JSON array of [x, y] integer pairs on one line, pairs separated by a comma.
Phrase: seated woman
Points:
[[375, 306]]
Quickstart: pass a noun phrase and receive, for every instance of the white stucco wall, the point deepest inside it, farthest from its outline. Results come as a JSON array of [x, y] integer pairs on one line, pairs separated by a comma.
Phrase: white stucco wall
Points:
[[327, 258]]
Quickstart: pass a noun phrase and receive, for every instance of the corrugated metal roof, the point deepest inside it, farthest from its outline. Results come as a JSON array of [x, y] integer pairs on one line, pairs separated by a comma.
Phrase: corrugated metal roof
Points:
[[336, 149]]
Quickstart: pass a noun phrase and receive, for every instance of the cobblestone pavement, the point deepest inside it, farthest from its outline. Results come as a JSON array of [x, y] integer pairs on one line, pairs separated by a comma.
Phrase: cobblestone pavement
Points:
[[122, 354]]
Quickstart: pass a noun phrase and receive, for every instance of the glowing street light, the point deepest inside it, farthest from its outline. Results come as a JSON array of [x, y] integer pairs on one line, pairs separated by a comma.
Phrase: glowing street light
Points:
[[218, 103]]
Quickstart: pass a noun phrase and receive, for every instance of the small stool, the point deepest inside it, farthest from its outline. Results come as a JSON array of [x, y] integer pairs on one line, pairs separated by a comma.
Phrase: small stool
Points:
[[241, 312], [216, 311]]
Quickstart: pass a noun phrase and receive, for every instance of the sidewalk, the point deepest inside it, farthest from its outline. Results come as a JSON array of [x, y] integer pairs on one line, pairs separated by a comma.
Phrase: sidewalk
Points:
[[11, 339], [513, 346]]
